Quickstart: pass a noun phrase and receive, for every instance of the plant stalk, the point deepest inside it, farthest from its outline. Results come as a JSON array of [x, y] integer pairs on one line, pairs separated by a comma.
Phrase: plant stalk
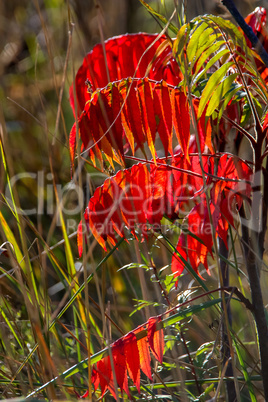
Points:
[[253, 231], [248, 31], [225, 344]]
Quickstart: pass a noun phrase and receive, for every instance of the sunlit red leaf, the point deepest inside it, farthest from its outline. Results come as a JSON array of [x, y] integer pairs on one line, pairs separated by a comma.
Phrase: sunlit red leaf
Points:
[[130, 113], [72, 142], [130, 353], [148, 115], [203, 127], [140, 196], [177, 263], [125, 55], [162, 104], [181, 119], [80, 238]]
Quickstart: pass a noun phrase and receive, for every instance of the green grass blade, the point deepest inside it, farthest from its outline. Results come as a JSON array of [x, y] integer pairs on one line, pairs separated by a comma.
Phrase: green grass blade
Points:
[[245, 372], [160, 17]]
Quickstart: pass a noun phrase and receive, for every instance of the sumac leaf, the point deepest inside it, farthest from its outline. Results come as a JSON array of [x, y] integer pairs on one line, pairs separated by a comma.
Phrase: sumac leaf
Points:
[[129, 114], [132, 358], [124, 56], [156, 338], [119, 359]]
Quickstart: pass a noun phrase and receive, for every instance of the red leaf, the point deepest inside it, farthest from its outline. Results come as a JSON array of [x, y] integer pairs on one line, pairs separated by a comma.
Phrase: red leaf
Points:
[[144, 353], [134, 114], [148, 116], [119, 360], [257, 21], [199, 225], [80, 238], [140, 191], [104, 370], [156, 337], [95, 378], [72, 143], [85, 395], [132, 358], [181, 119], [162, 107], [129, 113], [142, 195], [117, 130], [204, 128], [177, 264], [123, 53]]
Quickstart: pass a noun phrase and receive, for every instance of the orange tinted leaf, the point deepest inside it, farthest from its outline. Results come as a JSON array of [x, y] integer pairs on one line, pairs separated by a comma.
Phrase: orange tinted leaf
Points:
[[156, 338], [80, 238], [72, 142], [117, 130], [144, 352]]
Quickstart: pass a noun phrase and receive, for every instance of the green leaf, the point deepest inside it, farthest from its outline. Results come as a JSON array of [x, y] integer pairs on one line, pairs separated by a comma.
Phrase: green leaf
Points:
[[229, 95], [206, 347], [230, 28], [197, 76], [189, 311], [213, 81], [216, 48], [198, 39], [220, 93], [179, 44]]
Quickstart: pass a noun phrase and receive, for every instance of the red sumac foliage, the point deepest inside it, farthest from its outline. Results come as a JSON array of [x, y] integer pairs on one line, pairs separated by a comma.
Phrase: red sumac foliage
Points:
[[129, 113], [137, 198], [127, 98], [130, 354], [121, 57]]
